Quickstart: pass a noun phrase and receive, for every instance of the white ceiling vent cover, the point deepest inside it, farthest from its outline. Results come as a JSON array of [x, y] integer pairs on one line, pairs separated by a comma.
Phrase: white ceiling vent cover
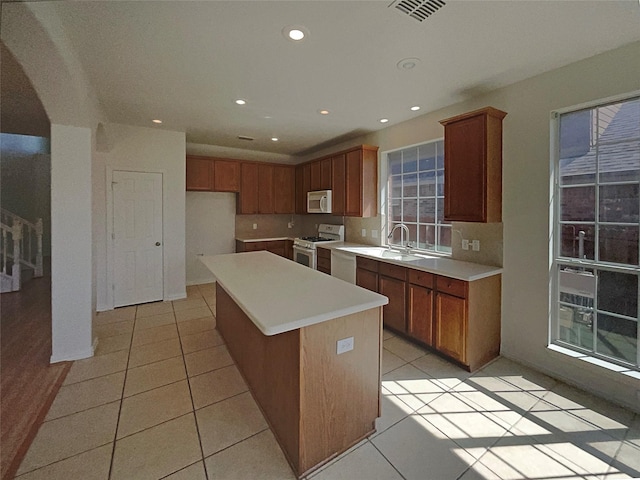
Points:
[[418, 9]]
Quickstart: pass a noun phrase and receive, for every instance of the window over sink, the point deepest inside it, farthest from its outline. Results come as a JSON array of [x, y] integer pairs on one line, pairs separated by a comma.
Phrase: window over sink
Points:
[[415, 197]]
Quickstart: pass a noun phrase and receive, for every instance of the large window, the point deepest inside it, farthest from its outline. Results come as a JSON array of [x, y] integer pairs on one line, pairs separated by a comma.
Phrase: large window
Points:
[[597, 231], [415, 197]]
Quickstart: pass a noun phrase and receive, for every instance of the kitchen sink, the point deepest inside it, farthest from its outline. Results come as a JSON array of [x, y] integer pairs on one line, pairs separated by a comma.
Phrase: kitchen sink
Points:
[[405, 257]]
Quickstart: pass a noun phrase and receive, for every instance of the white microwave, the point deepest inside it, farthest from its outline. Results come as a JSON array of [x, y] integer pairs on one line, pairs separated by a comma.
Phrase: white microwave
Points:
[[319, 201]]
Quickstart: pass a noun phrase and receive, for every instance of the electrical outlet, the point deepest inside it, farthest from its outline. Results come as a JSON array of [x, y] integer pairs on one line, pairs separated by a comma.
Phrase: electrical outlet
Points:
[[374, 233], [465, 244], [255, 226], [290, 224], [344, 345], [475, 245], [364, 232]]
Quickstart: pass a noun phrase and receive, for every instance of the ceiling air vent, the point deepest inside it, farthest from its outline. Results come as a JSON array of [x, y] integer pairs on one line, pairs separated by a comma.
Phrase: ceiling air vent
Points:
[[418, 9], [244, 137]]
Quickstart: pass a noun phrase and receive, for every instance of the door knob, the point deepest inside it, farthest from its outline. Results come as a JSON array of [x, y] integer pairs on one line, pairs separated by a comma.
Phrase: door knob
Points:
[[157, 244]]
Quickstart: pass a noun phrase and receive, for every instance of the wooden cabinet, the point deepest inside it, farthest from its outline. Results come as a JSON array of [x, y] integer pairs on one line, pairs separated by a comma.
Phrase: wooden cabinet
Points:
[[323, 260], [367, 273], [451, 318], [361, 182], [320, 171], [248, 198], [226, 175], [303, 185], [198, 174], [338, 179], [420, 323], [212, 174], [392, 283], [288, 249], [283, 189], [473, 166], [265, 189]]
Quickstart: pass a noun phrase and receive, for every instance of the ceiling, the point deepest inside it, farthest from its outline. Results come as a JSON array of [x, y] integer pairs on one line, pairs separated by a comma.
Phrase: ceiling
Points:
[[186, 62]]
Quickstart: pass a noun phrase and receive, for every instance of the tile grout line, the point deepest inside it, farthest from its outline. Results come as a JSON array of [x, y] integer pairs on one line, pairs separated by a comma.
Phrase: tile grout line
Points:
[[124, 384]]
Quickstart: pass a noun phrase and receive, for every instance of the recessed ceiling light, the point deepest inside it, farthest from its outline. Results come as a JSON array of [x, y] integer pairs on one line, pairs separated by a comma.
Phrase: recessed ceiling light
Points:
[[384, 120], [323, 112], [240, 101], [295, 33], [408, 63], [415, 108], [274, 139], [155, 120]]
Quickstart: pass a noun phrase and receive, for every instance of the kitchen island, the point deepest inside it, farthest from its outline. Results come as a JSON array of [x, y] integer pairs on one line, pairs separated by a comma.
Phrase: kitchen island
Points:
[[284, 325]]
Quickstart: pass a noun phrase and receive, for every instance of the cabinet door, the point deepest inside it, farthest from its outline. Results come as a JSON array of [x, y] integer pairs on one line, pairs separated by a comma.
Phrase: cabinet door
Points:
[[255, 246], [451, 326], [394, 313], [301, 196], [265, 189], [338, 184], [353, 183], [465, 174], [367, 279], [277, 247], [284, 189], [226, 176], [306, 184], [325, 174], [316, 176], [420, 314], [198, 174], [248, 198], [288, 249]]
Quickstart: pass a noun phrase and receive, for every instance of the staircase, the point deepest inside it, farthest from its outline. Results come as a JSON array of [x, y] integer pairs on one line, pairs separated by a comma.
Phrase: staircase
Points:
[[21, 250]]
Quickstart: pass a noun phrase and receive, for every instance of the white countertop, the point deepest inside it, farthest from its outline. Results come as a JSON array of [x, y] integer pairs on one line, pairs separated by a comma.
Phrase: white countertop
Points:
[[279, 295], [428, 263], [269, 239]]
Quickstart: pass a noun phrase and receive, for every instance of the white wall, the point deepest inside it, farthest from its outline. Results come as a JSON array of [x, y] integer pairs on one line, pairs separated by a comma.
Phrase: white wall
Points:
[[210, 222], [71, 249], [143, 150]]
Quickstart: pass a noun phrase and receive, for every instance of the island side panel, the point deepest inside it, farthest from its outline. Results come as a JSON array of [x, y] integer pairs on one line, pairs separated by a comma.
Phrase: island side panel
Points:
[[270, 365], [340, 394], [484, 307]]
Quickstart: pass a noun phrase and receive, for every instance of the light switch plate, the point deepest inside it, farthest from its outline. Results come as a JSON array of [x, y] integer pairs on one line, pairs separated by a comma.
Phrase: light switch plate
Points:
[[344, 345], [465, 244], [475, 245], [364, 232], [255, 226]]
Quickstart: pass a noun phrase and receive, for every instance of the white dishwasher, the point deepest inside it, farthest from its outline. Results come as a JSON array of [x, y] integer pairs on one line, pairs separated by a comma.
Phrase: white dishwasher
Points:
[[343, 265]]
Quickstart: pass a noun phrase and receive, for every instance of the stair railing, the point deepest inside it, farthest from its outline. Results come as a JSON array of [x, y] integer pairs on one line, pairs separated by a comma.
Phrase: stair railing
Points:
[[22, 244]]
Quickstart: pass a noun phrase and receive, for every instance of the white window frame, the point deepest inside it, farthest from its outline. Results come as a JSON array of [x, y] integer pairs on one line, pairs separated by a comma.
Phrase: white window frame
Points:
[[555, 260], [385, 195]]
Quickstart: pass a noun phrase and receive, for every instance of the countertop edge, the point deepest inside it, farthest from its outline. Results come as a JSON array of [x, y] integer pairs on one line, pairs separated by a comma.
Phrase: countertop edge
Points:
[[265, 239]]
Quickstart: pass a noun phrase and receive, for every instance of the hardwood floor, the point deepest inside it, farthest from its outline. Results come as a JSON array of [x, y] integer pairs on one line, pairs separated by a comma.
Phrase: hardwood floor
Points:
[[28, 383]]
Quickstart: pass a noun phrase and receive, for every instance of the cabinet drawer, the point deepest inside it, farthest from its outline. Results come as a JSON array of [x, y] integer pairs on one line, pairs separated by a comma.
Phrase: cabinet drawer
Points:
[[452, 286], [367, 264], [418, 277], [324, 264], [393, 271], [254, 246], [324, 253]]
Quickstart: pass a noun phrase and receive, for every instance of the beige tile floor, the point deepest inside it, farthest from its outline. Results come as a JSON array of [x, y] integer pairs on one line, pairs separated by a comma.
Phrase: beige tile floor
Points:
[[163, 399]]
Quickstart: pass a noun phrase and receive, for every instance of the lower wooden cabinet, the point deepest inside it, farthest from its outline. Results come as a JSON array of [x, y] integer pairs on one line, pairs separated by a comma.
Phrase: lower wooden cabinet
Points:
[[459, 319], [279, 247], [323, 260]]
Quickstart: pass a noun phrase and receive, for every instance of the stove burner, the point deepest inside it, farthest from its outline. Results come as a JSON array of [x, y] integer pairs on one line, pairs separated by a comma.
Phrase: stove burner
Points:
[[316, 239]]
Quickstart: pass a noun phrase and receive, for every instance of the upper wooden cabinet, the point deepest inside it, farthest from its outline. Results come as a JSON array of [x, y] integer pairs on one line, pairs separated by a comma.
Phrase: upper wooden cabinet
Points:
[[265, 188], [199, 174], [212, 174], [338, 183], [284, 189], [226, 176], [361, 182], [303, 185], [473, 166], [248, 199]]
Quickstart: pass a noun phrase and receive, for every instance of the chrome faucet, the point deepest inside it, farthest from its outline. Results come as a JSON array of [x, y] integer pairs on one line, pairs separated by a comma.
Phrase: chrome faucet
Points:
[[401, 225]]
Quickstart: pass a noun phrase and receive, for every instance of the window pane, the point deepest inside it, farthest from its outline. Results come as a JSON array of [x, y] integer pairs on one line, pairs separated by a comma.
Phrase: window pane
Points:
[[619, 162], [410, 185], [577, 241], [619, 203], [395, 163], [576, 326], [396, 186], [618, 293], [578, 204], [617, 337], [395, 210], [427, 210], [440, 209], [618, 244], [409, 210], [427, 155], [410, 160], [427, 184], [427, 238], [445, 238], [440, 182]]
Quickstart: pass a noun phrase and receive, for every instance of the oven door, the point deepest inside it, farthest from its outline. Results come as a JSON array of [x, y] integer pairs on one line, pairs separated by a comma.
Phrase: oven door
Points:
[[304, 256]]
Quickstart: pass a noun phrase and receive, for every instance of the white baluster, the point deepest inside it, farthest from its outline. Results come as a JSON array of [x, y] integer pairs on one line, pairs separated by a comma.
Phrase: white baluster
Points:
[[16, 269], [39, 229]]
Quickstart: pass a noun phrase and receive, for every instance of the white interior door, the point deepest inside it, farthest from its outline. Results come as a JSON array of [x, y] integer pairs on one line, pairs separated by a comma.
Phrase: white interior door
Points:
[[137, 238]]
